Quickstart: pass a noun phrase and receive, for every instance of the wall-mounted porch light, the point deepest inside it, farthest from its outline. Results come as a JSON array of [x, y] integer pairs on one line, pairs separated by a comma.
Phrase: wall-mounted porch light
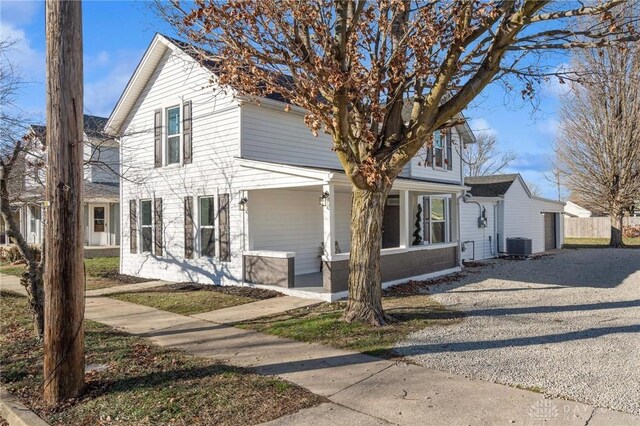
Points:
[[242, 204], [324, 199]]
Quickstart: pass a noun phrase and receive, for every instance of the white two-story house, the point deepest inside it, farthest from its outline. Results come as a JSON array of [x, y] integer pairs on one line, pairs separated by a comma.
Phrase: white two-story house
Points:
[[101, 194], [224, 189]]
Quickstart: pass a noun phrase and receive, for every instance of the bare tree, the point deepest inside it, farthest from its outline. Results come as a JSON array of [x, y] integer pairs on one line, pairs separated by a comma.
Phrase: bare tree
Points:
[[598, 146], [556, 177], [12, 166], [483, 158], [380, 78], [534, 189]]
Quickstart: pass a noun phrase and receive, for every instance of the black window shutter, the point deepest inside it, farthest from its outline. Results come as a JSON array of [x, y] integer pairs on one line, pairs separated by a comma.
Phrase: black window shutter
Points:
[[430, 156], [133, 227], [225, 231], [157, 224], [188, 227], [449, 144], [186, 132], [157, 134]]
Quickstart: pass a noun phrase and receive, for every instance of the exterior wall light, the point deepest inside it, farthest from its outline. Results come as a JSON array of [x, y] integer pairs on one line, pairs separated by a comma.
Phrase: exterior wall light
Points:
[[324, 199], [242, 204]]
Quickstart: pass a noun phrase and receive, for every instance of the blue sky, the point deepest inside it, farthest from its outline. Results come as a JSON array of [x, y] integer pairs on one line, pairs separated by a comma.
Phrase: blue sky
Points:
[[116, 33]]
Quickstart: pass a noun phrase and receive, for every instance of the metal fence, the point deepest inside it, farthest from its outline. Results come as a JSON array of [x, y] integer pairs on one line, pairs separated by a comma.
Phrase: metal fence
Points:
[[593, 227]]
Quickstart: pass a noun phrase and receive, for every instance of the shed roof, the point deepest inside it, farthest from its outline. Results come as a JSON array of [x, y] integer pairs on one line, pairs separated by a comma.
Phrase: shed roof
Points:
[[490, 186]]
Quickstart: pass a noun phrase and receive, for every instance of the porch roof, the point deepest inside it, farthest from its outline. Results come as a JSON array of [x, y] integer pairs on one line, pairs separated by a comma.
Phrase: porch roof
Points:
[[339, 177]]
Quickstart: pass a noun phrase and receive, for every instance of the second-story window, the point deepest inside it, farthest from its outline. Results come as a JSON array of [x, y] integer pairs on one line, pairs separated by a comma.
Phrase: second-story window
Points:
[[173, 135], [438, 151]]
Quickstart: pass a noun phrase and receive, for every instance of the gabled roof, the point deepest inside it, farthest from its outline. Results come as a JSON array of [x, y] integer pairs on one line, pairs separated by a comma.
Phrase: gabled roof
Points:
[[93, 127], [491, 186]]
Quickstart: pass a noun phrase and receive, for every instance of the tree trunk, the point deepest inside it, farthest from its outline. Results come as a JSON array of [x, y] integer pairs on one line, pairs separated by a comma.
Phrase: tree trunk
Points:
[[32, 281], [365, 289], [616, 231], [64, 270]]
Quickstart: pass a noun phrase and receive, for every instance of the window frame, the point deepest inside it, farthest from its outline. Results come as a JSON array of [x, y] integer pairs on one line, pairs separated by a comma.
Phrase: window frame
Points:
[[198, 245], [142, 225], [167, 136], [427, 230]]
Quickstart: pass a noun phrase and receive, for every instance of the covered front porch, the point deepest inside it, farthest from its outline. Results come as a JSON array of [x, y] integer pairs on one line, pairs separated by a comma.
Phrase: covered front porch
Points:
[[297, 236]]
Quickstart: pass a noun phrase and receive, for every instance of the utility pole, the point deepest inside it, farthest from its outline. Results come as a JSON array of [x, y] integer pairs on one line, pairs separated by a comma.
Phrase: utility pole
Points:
[[64, 267]]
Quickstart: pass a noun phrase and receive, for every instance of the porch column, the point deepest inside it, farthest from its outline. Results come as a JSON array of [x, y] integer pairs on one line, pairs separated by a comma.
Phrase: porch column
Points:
[[329, 220], [405, 218]]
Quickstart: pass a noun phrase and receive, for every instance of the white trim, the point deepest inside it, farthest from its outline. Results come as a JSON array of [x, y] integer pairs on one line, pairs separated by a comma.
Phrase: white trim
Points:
[[397, 250], [271, 253]]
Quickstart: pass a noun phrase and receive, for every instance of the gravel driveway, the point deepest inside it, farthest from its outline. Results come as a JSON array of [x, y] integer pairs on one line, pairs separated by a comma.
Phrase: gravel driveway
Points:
[[566, 324]]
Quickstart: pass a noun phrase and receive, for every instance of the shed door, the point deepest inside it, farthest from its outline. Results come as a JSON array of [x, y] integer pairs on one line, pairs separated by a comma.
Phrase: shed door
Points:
[[549, 231]]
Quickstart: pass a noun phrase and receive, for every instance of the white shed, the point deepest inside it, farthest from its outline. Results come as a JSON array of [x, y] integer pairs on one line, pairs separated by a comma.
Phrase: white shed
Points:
[[500, 207]]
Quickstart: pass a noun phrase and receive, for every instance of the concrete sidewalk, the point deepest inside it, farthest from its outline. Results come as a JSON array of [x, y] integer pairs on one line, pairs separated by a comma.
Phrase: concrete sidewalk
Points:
[[253, 310], [362, 390]]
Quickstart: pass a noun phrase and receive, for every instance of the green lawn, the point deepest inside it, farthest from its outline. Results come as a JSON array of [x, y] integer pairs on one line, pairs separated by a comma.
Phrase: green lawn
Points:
[[102, 272], [143, 384], [189, 299], [597, 242], [323, 324]]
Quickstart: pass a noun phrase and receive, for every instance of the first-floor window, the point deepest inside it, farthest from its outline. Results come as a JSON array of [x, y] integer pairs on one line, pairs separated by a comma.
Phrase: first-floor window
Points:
[[146, 225], [207, 227], [436, 219], [35, 218]]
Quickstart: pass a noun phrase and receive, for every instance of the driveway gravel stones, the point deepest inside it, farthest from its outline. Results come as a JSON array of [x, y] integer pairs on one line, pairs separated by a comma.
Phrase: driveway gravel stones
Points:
[[566, 324]]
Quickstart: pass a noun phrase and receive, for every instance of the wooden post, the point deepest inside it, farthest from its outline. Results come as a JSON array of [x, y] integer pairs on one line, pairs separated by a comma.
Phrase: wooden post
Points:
[[64, 270]]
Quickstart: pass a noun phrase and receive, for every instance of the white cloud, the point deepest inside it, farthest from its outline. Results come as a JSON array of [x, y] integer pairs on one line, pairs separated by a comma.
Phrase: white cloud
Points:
[[30, 61], [101, 95], [482, 126], [548, 128]]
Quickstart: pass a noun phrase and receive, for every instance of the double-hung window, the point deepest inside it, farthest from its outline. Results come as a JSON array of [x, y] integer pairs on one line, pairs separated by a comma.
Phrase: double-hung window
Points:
[[436, 219], [207, 227], [438, 150], [146, 226], [173, 135]]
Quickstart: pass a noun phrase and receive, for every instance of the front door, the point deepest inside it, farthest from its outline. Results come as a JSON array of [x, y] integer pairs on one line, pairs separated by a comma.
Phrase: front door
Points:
[[98, 225], [549, 231]]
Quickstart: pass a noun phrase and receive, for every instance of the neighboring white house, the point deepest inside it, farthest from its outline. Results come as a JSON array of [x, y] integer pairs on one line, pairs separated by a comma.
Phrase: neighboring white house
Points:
[[571, 209], [229, 190], [501, 207], [101, 194]]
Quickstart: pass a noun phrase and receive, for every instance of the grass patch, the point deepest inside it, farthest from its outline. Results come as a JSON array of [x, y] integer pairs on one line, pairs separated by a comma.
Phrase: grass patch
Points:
[[323, 324], [15, 270], [189, 299], [102, 272], [143, 384], [597, 242]]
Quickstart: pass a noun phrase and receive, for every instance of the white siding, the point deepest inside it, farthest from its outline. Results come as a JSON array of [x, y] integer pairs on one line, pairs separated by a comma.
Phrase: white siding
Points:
[[343, 220], [469, 230], [420, 171], [523, 218], [288, 220], [104, 163], [215, 143], [281, 137]]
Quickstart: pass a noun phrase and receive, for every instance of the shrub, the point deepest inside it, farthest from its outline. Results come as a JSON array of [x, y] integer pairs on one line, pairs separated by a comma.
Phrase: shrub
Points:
[[631, 231], [10, 254]]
